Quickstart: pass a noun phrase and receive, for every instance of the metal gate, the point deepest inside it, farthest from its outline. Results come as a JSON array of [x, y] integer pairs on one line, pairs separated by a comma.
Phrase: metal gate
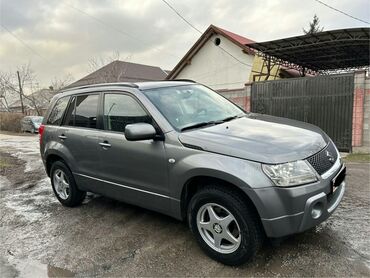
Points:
[[325, 101]]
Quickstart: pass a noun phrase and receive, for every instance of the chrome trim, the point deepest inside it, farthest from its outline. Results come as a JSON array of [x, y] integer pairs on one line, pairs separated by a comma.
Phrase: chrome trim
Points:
[[128, 187], [105, 145], [284, 216], [339, 198], [332, 170], [335, 167]]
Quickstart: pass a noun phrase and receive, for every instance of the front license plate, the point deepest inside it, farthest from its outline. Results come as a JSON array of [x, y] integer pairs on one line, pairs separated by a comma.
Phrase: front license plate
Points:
[[338, 179]]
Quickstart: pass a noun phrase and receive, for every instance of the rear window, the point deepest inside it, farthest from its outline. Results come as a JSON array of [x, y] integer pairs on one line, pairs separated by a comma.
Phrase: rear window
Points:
[[82, 111], [56, 115]]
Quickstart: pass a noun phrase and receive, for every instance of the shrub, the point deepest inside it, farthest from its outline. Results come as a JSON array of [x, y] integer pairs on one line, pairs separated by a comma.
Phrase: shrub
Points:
[[10, 121]]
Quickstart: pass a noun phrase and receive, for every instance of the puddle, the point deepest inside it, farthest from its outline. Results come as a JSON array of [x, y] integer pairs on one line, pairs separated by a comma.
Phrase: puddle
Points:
[[36, 269]]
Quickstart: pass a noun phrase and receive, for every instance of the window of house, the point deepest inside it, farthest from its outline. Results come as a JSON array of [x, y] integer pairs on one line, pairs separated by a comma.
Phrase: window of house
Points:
[[121, 110], [56, 115]]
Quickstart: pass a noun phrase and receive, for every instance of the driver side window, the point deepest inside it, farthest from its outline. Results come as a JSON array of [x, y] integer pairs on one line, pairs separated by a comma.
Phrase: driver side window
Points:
[[121, 110]]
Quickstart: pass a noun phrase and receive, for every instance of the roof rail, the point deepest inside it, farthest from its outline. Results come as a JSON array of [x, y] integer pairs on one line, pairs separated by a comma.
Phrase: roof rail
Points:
[[186, 80], [131, 85]]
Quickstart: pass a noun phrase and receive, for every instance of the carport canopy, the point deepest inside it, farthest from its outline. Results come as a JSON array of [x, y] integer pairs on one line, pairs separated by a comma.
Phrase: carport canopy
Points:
[[325, 51]]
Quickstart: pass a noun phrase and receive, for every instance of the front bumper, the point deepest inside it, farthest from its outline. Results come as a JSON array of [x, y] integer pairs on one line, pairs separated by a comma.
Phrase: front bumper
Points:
[[288, 211]]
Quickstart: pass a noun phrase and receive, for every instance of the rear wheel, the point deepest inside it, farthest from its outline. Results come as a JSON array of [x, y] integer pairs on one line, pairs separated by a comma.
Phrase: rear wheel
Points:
[[224, 226], [64, 185]]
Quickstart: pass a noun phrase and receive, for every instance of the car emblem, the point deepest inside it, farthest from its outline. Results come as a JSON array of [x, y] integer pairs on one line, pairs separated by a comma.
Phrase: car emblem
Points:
[[330, 157]]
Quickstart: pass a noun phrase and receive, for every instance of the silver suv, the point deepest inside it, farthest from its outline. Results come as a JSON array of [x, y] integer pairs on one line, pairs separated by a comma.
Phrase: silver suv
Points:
[[181, 149]]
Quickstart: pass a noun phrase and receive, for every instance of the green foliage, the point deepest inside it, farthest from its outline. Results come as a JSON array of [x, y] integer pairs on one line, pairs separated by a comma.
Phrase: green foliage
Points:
[[314, 26]]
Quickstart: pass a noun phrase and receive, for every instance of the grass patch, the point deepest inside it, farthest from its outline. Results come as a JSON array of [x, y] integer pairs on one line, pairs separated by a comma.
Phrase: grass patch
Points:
[[357, 157], [4, 163]]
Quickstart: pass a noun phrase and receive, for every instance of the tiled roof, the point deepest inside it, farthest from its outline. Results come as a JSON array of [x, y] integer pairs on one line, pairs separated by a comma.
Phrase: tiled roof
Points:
[[120, 71]]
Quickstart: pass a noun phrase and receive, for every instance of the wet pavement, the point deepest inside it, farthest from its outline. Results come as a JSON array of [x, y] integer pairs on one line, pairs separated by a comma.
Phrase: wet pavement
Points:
[[103, 237]]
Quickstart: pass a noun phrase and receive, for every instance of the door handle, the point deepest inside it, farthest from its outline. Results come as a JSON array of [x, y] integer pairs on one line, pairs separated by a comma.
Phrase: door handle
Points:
[[62, 136], [105, 144]]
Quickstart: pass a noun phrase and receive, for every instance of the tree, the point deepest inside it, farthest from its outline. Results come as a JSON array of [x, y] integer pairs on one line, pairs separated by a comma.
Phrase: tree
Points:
[[59, 83], [314, 26], [12, 88], [114, 73], [27, 88]]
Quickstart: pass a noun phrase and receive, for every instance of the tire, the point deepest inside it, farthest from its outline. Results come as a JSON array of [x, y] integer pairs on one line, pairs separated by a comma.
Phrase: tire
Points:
[[64, 185], [245, 226]]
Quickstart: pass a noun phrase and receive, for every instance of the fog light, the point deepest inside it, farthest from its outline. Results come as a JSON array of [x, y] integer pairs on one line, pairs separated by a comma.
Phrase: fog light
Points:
[[317, 210]]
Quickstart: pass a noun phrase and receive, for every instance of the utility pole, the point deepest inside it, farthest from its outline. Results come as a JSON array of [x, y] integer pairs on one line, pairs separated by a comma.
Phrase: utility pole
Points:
[[20, 91]]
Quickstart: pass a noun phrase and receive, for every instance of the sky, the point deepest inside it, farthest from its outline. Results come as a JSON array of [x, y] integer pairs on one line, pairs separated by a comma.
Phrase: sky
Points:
[[58, 38]]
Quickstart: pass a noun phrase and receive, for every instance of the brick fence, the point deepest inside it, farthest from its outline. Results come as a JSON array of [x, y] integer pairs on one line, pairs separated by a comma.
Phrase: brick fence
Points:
[[361, 112], [241, 97], [361, 109]]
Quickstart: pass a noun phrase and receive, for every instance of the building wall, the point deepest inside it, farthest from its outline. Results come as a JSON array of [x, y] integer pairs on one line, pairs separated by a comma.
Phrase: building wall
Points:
[[259, 67], [217, 69]]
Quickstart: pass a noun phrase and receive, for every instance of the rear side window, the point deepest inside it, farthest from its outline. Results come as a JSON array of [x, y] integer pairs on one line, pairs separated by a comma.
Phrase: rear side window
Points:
[[56, 115], [121, 110], [82, 111]]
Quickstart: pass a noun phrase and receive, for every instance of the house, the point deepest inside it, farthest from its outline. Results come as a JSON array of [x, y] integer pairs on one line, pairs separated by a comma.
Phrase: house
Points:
[[219, 58], [34, 104], [120, 71], [224, 61]]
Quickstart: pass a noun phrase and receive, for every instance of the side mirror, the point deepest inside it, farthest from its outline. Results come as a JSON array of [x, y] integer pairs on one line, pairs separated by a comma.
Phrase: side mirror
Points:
[[140, 131]]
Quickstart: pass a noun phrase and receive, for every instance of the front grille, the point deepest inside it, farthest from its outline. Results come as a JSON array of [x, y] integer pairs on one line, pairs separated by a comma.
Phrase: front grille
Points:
[[324, 159]]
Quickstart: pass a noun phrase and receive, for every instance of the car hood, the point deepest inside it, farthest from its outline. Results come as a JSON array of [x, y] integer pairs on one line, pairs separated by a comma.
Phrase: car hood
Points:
[[261, 138]]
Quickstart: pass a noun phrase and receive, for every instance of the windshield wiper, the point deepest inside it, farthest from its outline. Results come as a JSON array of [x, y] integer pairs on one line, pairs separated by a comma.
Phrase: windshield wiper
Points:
[[231, 118], [201, 124], [198, 125]]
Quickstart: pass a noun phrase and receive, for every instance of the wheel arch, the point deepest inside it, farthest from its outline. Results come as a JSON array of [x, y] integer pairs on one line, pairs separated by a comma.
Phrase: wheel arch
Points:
[[196, 183], [52, 157]]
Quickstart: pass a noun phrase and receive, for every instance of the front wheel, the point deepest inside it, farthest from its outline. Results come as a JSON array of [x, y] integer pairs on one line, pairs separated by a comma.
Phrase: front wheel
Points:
[[224, 226], [64, 185]]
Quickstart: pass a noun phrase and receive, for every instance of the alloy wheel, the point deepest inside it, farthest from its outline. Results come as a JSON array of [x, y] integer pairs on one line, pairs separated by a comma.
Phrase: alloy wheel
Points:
[[218, 228], [61, 184]]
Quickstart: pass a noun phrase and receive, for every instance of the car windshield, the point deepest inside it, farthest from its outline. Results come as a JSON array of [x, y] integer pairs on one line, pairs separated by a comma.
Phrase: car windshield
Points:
[[37, 120], [192, 106]]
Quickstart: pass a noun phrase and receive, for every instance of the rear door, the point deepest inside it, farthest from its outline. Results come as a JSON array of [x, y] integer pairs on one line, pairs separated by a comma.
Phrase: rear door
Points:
[[134, 171], [80, 135]]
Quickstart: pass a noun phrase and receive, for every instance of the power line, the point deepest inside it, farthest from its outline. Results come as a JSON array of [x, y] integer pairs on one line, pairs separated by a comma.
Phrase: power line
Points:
[[22, 41], [118, 30], [335, 9], [196, 29], [183, 18]]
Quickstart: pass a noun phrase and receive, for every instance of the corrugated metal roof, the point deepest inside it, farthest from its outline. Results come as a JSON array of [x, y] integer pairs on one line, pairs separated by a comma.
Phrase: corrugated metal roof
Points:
[[328, 50]]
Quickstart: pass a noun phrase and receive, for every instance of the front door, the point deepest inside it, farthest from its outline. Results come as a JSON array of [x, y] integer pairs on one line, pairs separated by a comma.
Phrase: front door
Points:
[[135, 171]]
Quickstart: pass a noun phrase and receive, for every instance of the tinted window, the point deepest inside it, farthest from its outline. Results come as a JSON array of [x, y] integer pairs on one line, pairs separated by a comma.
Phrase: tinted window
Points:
[[121, 110], [55, 117], [82, 111], [86, 111], [69, 118]]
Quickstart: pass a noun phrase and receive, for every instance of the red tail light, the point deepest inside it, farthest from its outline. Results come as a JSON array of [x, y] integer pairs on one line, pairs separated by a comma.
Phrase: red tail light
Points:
[[41, 131]]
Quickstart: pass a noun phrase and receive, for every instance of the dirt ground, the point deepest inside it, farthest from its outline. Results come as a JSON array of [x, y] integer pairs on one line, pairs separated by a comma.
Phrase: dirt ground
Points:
[[40, 238]]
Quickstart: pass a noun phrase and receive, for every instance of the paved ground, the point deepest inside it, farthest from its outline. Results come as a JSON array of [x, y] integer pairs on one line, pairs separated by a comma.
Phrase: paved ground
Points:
[[39, 237]]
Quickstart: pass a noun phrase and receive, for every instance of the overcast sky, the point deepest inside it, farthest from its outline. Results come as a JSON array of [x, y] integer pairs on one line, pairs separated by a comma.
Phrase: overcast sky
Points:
[[61, 36]]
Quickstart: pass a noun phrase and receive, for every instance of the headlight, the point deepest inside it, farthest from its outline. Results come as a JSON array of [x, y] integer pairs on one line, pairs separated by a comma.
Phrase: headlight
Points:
[[290, 174]]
